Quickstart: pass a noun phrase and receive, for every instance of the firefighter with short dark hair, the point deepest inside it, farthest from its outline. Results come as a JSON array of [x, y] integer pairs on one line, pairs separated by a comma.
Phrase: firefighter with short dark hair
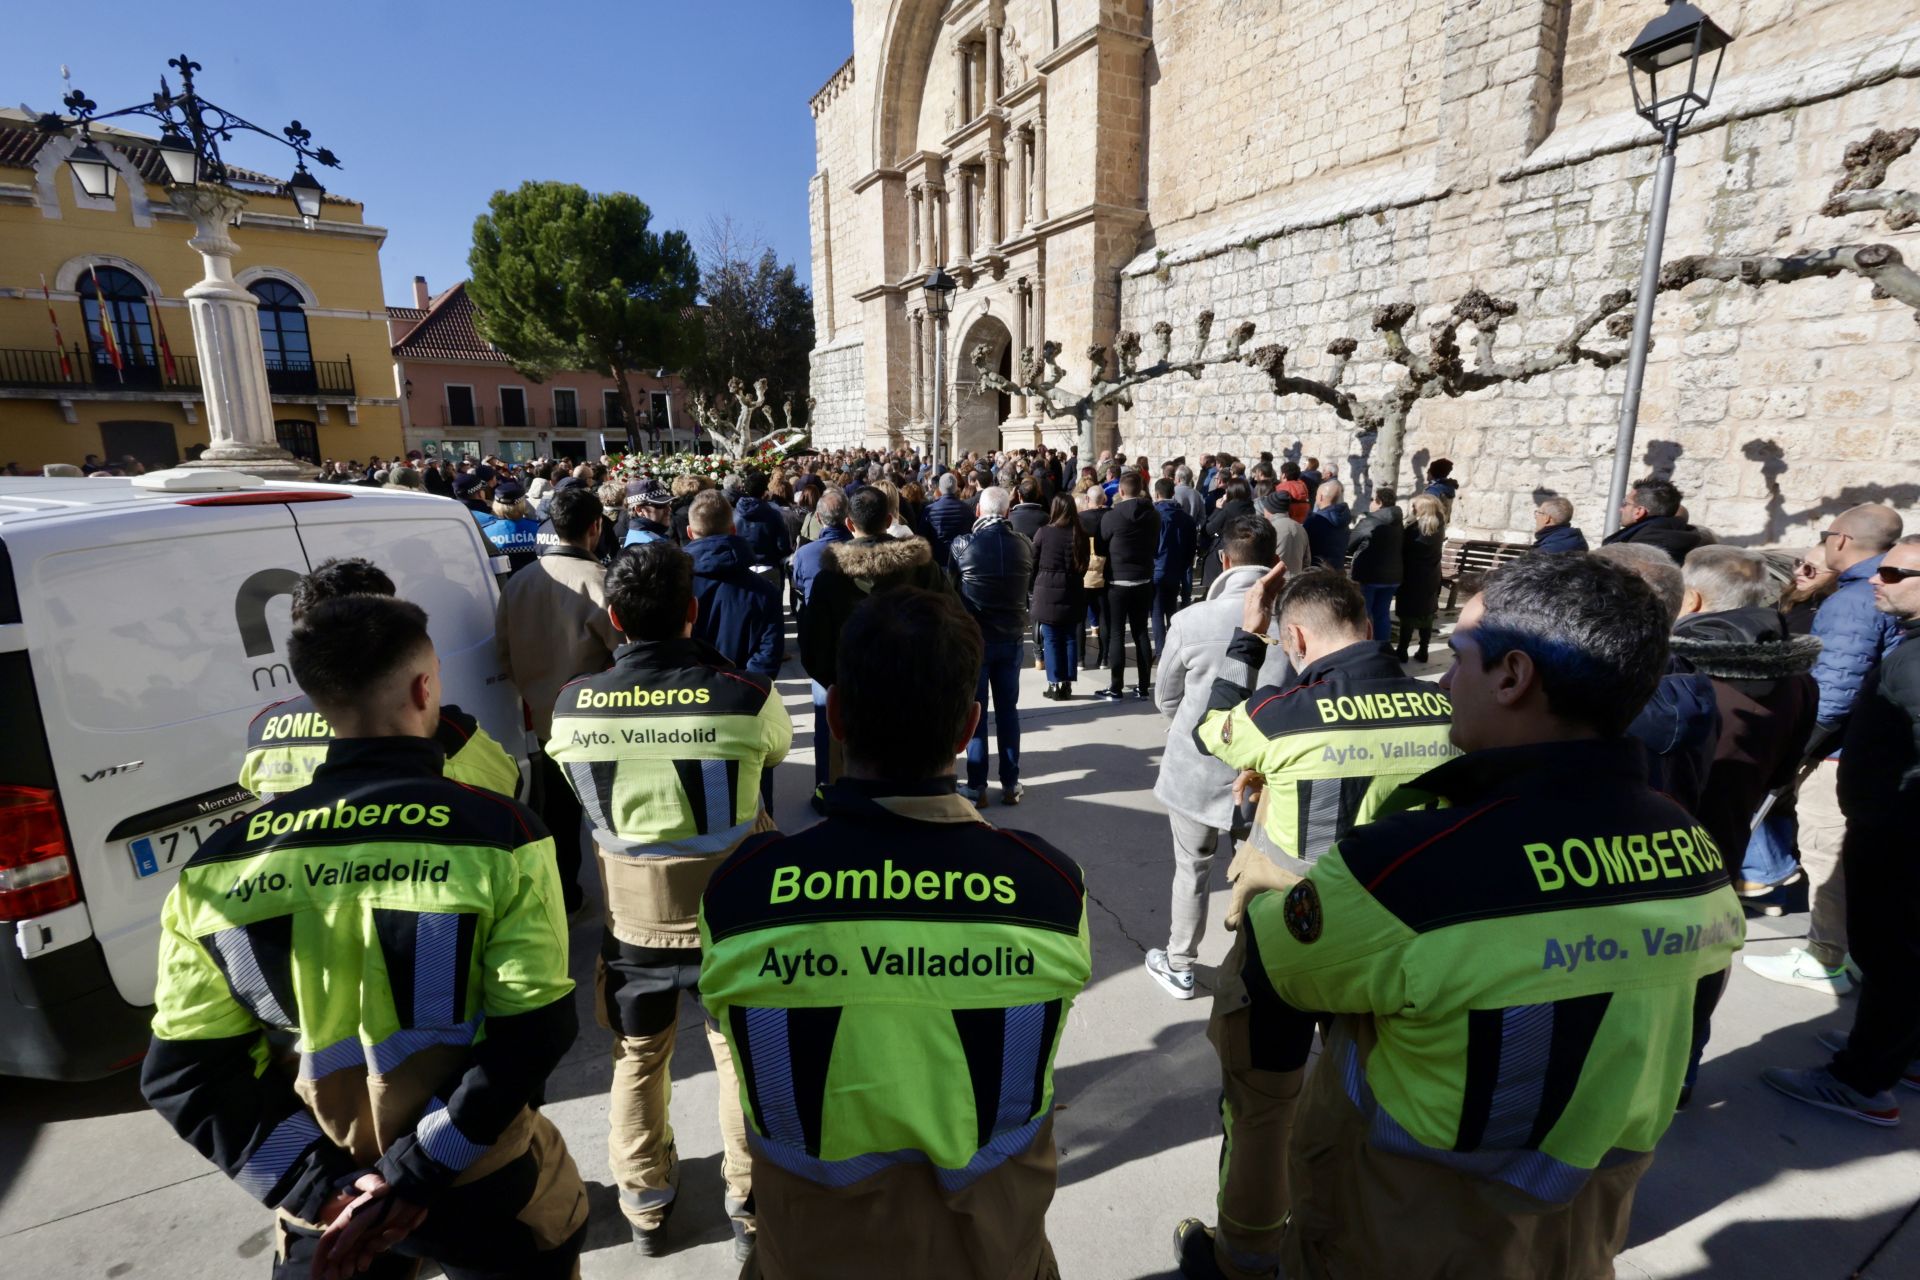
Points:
[[405, 933], [1513, 958], [895, 982], [666, 750], [287, 741]]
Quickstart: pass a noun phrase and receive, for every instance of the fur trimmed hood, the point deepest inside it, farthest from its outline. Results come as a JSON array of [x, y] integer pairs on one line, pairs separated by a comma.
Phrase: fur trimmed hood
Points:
[[1743, 644], [877, 557]]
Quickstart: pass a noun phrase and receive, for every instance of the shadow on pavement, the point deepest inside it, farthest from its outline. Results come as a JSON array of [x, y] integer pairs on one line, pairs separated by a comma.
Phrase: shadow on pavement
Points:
[[26, 1106], [699, 1216], [1739, 1135]]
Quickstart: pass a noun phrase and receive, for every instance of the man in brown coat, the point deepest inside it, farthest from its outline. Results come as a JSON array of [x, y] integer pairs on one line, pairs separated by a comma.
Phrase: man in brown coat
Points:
[[552, 626]]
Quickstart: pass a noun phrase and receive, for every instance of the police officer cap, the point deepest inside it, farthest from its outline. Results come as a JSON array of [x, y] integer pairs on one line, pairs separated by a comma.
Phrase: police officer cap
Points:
[[651, 494], [509, 491], [466, 482], [571, 482], [485, 473]]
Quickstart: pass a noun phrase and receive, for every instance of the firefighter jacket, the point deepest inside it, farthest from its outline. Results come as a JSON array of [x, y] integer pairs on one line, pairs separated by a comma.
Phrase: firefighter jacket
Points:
[[1332, 746], [894, 982], [1536, 935], [405, 932], [287, 742], [665, 749]]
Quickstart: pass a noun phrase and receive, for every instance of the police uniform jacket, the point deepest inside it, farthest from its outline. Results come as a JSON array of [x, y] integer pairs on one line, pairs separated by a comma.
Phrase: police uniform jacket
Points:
[[406, 933], [289, 740], [894, 982], [1536, 935], [1332, 745], [665, 750]]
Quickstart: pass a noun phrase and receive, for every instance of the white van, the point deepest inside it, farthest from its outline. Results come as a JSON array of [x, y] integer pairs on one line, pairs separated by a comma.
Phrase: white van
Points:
[[143, 624]]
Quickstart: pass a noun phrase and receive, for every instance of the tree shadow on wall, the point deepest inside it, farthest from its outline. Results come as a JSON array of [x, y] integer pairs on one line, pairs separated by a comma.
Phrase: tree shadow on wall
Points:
[[1773, 464]]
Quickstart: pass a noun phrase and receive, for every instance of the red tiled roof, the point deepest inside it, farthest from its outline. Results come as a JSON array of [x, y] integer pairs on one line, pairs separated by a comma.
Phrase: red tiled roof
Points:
[[20, 143], [447, 330]]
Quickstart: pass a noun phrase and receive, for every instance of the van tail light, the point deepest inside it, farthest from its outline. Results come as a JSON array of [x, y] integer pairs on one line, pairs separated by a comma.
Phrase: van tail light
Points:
[[36, 863]]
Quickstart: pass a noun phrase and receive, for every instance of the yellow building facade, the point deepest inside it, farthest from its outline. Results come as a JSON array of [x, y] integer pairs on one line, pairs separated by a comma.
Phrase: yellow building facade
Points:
[[73, 386]]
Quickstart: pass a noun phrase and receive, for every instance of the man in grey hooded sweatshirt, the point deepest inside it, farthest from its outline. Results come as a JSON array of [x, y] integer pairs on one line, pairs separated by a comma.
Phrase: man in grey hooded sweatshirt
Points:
[[1196, 788]]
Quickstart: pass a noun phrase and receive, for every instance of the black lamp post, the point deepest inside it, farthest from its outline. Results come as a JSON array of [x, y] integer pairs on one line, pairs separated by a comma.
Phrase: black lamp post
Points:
[[1664, 64], [939, 289], [225, 314], [191, 131]]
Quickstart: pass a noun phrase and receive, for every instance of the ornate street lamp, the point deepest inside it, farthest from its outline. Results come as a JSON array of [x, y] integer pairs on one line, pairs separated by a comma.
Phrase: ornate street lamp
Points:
[[226, 327], [96, 174], [939, 289], [1664, 65]]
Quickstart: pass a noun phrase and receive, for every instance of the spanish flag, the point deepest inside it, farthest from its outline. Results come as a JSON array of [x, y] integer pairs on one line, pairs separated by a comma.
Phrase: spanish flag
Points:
[[105, 310]]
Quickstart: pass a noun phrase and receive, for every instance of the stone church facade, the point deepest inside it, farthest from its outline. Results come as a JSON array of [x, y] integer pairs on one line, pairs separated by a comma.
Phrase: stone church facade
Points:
[[1083, 166]]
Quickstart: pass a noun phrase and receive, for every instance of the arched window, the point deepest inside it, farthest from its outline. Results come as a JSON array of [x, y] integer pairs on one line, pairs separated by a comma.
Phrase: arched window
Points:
[[283, 327], [129, 322]]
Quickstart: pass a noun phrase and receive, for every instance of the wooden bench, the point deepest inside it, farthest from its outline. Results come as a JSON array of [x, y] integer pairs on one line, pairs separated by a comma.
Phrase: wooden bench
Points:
[[1474, 557]]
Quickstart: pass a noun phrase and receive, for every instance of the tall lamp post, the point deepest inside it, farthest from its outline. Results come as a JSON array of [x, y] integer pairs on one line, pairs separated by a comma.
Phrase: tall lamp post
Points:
[[939, 289], [1664, 64], [226, 325]]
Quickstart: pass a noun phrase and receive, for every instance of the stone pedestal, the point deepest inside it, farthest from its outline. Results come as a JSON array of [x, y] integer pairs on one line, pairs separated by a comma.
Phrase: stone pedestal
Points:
[[226, 334]]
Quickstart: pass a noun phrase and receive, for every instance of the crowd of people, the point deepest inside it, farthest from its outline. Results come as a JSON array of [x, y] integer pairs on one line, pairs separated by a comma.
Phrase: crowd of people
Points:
[[1648, 739]]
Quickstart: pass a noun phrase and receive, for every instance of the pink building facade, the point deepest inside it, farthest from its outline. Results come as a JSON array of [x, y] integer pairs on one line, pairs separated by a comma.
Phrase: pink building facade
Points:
[[460, 396]]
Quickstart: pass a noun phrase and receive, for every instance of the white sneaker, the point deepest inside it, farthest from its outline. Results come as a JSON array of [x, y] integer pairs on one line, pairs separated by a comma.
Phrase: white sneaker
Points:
[[1798, 968], [1178, 983]]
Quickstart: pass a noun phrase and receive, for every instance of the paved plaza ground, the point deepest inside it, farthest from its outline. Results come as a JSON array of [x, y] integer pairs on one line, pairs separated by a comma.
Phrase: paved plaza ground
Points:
[[1746, 1184]]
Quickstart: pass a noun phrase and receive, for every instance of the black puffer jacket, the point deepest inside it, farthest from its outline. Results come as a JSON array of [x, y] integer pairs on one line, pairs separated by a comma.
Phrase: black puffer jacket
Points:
[[1669, 533], [1766, 696], [1376, 549], [1132, 533], [993, 567], [1880, 763]]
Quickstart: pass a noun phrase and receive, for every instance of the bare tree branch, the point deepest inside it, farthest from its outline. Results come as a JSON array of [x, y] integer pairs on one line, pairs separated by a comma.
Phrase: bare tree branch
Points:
[[1442, 368], [1880, 263]]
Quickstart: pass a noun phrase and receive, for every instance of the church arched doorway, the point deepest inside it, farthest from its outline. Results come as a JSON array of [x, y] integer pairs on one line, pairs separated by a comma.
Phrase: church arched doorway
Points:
[[978, 418]]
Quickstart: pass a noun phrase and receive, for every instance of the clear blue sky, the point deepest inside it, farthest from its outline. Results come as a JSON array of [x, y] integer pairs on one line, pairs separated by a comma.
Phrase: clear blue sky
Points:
[[697, 107]]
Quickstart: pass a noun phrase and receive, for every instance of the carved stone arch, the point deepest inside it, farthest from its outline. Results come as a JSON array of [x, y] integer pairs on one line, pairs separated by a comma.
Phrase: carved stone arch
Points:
[[253, 275], [980, 418], [67, 278], [908, 45]]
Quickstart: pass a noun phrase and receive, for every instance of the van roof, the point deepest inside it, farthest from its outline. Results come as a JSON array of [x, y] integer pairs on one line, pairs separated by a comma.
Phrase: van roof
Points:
[[29, 499]]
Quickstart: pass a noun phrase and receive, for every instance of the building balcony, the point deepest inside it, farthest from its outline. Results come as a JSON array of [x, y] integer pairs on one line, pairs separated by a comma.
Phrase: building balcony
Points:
[[463, 415], [145, 372], [53, 370], [289, 376]]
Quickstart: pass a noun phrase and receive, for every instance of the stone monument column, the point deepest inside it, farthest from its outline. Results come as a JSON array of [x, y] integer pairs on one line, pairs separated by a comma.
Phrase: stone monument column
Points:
[[226, 334], [991, 217], [1022, 299], [991, 98], [918, 368], [1040, 170], [1018, 174]]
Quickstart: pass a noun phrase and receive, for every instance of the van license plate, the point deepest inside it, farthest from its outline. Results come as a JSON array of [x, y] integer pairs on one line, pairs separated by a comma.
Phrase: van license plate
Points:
[[159, 850]]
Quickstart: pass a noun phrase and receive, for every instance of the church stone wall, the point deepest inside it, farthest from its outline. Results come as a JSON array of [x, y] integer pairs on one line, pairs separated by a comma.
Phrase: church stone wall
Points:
[[1772, 409], [1297, 165]]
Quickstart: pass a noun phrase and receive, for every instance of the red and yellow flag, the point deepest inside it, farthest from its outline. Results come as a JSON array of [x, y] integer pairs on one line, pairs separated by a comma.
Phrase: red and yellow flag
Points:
[[105, 309], [59, 343]]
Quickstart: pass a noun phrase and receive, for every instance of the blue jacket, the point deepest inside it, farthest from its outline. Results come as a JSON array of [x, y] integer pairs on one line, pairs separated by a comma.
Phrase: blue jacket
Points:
[[518, 540], [806, 561], [948, 518], [1559, 538], [1328, 534], [643, 531], [1680, 729], [765, 529], [1854, 637], [739, 609], [1178, 534]]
